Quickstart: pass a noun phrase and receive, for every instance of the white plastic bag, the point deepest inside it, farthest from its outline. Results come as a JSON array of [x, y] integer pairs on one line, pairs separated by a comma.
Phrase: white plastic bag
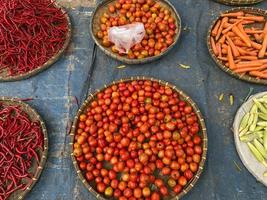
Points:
[[124, 37]]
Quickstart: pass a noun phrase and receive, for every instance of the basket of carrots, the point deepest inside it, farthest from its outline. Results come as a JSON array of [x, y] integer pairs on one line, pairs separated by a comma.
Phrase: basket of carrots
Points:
[[33, 35], [139, 137], [239, 2], [237, 42], [23, 148], [161, 22]]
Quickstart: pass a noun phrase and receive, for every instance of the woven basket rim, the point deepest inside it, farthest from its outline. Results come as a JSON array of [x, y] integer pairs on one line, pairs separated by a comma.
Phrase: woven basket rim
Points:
[[49, 62], [192, 182], [33, 114], [219, 63], [124, 59], [238, 2]]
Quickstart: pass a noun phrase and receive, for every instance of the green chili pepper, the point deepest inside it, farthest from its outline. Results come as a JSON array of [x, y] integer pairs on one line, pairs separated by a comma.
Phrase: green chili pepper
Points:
[[263, 116], [260, 140], [260, 106], [250, 137], [259, 128], [265, 140], [254, 124], [251, 118], [256, 154], [262, 123], [244, 131], [260, 148], [254, 108], [244, 122]]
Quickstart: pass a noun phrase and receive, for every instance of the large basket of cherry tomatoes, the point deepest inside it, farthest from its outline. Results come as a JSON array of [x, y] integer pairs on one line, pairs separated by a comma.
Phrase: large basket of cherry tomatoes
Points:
[[161, 21], [139, 138]]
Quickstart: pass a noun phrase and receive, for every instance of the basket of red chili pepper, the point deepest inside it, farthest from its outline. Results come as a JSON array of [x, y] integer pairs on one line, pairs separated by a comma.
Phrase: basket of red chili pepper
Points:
[[33, 35], [23, 148], [139, 138]]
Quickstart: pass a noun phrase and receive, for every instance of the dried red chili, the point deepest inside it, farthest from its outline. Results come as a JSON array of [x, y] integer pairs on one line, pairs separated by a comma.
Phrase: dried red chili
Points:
[[31, 32], [20, 141]]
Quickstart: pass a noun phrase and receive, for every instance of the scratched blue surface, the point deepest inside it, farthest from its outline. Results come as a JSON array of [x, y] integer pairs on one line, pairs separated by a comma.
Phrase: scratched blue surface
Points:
[[55, 89]]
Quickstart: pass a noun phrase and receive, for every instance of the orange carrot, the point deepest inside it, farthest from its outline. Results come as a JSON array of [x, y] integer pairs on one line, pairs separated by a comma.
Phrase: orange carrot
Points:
[[249, 31], [230, 58], [258, 74], [215, 29], [233, 47], [239, 43], [265, 28], [247, 69], [253, 18], [248, 57], [237, 61], [255, 45], [222, 58], [233, 14], [241, 28], [222, 39], [219, 48], [249, 64], [243, 37], [231, 26], [264, 47], [245, 52], [241, 51], [263, 61], [224, 46], [224, 20], [224, 51], [243, 22], [231, 34], [226, 25], [213, 46]]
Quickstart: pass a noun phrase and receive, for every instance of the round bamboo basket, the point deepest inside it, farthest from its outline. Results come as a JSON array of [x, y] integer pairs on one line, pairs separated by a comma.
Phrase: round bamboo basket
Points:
[[36, 168], [4, 76], [203, 134], [102, 7], [239, 2], [219, 63]]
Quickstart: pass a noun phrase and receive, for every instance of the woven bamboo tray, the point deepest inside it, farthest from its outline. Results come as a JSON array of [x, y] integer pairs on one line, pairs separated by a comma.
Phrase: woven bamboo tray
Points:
[[102, 7], [36, 169], [4, 75], [251, 163], [203, 134], [219, 63], [239, 2]]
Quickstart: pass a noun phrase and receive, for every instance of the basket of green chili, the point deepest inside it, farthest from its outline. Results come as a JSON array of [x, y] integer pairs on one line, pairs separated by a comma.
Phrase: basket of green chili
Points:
[[33, 35], [250, 132], [23, 148]]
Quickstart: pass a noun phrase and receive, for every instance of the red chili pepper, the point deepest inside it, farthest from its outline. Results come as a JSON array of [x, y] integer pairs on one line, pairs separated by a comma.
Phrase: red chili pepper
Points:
[[31, 32], [20, 141]]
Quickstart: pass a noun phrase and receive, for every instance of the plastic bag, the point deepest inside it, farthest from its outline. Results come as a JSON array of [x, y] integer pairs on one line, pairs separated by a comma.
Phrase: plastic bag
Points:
[[124, 37]]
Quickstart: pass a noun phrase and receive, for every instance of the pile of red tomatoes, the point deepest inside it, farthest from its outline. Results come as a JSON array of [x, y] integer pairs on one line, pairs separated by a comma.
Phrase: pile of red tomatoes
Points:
[[138, 140], [158, 21]]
